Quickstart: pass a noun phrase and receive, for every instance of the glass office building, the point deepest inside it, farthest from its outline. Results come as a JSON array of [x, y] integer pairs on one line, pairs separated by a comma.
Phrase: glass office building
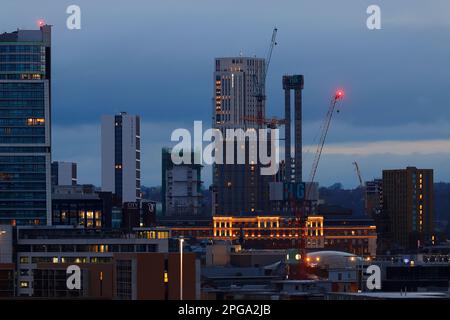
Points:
[[25, 179]]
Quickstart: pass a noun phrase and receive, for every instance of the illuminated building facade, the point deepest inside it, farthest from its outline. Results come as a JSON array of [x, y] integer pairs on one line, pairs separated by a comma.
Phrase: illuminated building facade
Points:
[[408, 201], [25, 99], [349, 235], [91, 210]]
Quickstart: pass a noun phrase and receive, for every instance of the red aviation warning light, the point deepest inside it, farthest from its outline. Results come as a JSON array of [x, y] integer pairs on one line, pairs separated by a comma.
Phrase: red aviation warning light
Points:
[[339, 94], [41, 23]]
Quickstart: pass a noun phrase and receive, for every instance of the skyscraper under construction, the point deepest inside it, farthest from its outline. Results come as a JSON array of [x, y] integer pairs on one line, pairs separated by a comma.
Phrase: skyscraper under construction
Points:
[[239, 188]]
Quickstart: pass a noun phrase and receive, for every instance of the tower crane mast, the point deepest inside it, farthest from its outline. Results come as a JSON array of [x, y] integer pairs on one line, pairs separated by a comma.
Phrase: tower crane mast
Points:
[[259, 86], [300, 211], [325, 127], [358, 173]]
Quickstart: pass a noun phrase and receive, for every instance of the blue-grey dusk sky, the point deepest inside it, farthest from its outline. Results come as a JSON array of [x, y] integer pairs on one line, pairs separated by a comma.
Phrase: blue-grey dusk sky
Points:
[[155, 59]]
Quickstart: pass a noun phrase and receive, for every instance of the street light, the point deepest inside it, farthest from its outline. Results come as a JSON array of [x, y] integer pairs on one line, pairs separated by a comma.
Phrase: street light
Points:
[[181, 239]]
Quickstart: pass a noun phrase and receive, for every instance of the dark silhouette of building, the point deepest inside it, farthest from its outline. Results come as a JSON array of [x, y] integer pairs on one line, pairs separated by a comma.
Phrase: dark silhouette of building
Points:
[[408, 204]]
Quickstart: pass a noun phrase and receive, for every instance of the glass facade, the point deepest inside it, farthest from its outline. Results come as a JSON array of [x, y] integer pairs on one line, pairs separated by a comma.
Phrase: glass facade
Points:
[[25, 195]]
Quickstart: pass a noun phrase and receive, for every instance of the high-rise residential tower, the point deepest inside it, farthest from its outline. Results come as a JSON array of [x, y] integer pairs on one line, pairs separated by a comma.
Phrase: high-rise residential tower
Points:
[[408, 202], [25, 114], [64, 173], [121, 156], [181, 187], [235, 101], [239, 188]]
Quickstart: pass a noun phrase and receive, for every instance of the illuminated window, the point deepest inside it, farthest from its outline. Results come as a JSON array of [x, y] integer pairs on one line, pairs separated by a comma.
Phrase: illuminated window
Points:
[[55, 260], [35, 121], [24, 284], [24, 260], [166, 277]]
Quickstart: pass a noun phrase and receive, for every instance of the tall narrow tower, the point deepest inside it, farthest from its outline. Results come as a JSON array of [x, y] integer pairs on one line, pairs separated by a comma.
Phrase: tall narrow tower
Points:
[[121, 156], [293, 168]]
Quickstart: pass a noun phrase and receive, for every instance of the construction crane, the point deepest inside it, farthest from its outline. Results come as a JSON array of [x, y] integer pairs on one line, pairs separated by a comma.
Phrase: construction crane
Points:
[[270, 122], [301, 212], [358, 173], [339, 95], [259, 86]]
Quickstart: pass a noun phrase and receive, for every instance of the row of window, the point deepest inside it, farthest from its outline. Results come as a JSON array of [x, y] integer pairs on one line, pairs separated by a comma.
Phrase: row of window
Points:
[[21, 76], [16, 186], [21, 159], [22, 168], [22, 122], [22, 139], [24, 150], [26, 217], [18, 103], [22, 86], [16, 94], [23, 195], [22, 177], [22, 58], [37, 112], [22, 49], [96, 248], [6, 67], [22, 131], [22, 204]]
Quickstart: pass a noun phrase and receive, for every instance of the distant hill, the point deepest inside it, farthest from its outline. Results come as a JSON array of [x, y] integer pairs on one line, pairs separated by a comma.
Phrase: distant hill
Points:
[[348, 198]]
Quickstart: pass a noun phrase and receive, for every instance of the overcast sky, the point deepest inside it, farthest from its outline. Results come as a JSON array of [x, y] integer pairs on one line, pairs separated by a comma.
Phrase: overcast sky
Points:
[[155, 59]]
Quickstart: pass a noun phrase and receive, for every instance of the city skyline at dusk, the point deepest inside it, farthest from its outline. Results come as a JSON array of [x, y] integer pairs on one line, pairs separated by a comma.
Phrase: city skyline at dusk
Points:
[[394, 114], [227, 158]]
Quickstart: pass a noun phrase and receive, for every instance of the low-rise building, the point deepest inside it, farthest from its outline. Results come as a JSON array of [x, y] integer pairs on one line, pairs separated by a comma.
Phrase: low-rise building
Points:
[[74, 245]]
